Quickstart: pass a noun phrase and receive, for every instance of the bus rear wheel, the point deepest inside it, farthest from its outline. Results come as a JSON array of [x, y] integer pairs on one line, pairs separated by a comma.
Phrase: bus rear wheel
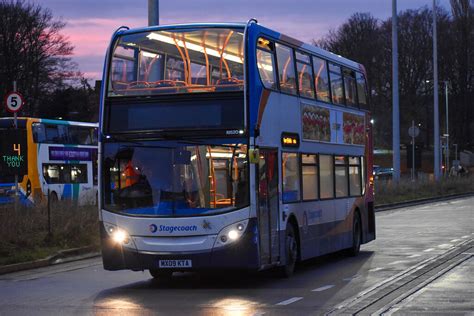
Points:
[[161, 274], [291, 252], [356, 236]]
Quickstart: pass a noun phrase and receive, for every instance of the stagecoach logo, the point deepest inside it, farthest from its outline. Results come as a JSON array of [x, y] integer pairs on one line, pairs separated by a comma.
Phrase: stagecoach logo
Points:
[[206, 224], [153, 228]]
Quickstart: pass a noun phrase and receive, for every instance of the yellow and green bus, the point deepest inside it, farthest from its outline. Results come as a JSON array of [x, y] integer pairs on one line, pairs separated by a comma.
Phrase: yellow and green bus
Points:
[[53, 159]]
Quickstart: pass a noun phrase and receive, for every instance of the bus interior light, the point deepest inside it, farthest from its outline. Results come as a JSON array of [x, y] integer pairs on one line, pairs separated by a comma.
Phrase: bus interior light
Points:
[[194, 47]]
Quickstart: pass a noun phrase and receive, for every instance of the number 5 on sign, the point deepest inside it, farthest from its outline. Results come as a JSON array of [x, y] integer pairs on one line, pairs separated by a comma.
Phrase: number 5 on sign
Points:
[[14, 101]]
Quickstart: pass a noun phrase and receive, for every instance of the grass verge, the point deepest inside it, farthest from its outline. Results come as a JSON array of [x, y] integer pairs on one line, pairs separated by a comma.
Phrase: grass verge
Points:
[[387, 192], [25, 234]]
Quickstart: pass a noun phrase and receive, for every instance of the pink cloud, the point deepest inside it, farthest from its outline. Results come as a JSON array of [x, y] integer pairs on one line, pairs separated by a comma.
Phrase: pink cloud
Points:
[[91, 37]]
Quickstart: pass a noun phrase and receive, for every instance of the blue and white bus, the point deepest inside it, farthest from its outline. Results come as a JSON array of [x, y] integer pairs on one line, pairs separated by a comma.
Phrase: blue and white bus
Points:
[[230, 146]]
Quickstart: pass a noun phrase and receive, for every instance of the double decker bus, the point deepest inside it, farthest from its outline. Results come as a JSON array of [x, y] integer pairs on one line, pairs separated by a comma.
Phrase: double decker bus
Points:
[[52, 159], [230, 146]]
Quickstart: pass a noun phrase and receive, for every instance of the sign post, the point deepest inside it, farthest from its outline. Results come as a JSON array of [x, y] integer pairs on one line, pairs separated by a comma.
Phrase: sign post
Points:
[[14, 101], [413, 131]]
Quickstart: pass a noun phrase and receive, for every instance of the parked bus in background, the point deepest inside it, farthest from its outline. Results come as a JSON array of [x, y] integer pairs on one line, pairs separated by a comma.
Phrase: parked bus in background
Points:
[[53, 159], [230, 146]]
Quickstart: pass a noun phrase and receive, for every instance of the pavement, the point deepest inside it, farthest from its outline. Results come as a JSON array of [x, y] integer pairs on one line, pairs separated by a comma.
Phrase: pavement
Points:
[[420, 263]]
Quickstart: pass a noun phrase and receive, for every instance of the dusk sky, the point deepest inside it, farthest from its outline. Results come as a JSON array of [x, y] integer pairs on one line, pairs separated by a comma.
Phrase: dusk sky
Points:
[[90, 23]]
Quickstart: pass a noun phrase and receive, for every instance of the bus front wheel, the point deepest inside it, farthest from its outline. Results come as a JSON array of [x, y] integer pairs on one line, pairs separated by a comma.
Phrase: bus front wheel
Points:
[[291, 252]]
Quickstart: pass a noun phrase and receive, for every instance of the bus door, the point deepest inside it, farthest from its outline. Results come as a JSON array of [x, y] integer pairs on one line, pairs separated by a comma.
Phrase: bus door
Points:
[[268, 206]]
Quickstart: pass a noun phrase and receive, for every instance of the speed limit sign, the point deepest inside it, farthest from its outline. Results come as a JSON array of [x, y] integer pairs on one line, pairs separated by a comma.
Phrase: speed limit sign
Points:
[[14, 101]]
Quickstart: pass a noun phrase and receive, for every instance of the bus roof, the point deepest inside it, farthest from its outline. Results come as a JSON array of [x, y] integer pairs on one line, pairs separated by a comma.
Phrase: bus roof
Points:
[[235, 25], [9, 121]]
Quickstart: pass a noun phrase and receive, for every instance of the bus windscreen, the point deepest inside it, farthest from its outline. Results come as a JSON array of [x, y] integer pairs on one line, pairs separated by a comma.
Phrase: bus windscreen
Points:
[[177, 61]]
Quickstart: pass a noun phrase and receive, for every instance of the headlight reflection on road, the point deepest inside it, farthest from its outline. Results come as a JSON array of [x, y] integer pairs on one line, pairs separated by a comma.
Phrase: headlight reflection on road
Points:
[[235, 307], [119, 305]]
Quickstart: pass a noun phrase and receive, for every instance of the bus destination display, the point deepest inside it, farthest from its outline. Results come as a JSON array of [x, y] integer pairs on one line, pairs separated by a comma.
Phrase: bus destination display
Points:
[[13, 153]]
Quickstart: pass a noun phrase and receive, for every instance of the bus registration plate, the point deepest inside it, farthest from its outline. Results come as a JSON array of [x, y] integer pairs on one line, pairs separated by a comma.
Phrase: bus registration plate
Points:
[[175, 263]]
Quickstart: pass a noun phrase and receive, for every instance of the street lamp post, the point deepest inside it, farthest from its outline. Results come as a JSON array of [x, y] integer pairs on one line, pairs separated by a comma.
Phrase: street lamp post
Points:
[[447, 127], [395, 99], [153, 12], [436, 166]]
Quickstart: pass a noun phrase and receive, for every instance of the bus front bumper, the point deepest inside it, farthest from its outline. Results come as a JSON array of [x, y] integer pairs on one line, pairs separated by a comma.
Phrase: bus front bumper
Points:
[[242, 254]]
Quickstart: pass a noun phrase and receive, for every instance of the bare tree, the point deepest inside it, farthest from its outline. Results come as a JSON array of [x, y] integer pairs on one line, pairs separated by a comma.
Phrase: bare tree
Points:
[[461, 72], [33, 52], [366, 40]]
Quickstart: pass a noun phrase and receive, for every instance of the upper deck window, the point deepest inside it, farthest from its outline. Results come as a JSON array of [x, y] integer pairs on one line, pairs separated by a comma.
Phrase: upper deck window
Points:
[[266, 63], [64, 134], [286, 68], [321, 79], [305, 75], [337, 88], [350, 87], [362, 90], [181, 61]]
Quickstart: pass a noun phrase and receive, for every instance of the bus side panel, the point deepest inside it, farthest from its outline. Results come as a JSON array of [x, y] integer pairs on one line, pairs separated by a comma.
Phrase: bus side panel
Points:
[[30, 185], [316, 227]]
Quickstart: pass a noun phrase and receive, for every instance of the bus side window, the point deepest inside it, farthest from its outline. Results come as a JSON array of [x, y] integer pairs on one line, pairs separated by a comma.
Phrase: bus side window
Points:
[[305, 75], [337, 88], [354, 176], [50, 173], [326, 165], [362, 91], [39, 133], [266, 63], [286, 69], [321, 79], [52, 134], [291, 177], [350, 87], [79, 173], [341, 176], [63, 137], [309, 170]]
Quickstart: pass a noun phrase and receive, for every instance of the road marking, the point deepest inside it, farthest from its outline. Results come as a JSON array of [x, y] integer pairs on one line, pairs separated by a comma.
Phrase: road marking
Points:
[[428, 250], [375, 269], [445, 246], [465, 236], [289, 301], [398, 262], [351, 278], [414, 256], [455, 240], [323, 288]]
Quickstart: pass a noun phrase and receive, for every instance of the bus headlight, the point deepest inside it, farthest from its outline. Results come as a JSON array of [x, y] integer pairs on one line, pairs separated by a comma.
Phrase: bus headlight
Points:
[[118, 235], [231, 233]]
